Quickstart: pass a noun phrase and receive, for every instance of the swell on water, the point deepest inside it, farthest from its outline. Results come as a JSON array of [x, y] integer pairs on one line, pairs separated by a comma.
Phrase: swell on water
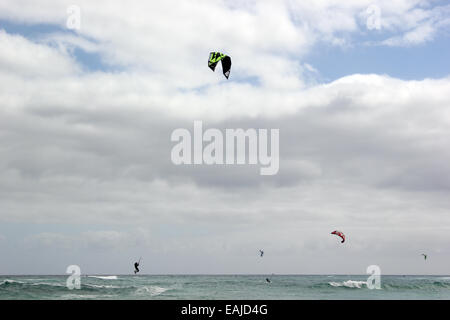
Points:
[[11, 288], [349, 284], [387, 284], [152, 290], [104, 277], [109, 287]]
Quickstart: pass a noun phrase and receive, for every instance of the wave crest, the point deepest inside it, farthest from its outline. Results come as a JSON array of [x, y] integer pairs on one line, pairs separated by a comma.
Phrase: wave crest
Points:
[[104, 277], [349, 284]]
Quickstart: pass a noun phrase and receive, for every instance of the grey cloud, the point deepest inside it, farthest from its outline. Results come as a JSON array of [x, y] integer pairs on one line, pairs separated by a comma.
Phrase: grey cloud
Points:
[[366, 153]]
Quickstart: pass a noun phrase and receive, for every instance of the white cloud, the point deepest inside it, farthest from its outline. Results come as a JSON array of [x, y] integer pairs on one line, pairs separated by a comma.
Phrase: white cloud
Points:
[[94, 147], [414, 25], [417, 36], [23, 58], [262, 37]]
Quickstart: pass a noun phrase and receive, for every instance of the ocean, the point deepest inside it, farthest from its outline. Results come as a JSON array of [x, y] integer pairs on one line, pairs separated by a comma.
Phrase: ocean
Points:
[[225, 287]]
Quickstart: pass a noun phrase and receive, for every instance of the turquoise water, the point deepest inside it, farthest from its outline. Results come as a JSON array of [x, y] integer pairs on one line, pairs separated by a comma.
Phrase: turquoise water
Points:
[[282, 287]]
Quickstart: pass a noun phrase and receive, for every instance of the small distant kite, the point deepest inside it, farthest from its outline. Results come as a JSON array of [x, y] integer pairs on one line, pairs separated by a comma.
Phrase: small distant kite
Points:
[[261, 252], [424, 256], [215, 57], [340, 234]]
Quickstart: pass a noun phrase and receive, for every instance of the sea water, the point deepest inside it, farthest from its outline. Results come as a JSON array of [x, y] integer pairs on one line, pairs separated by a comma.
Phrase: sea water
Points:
[[241, 287]]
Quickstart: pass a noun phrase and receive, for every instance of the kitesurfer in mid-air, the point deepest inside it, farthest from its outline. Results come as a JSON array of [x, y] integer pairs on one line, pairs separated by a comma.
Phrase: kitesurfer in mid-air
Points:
[[261, 253], [136, 265]]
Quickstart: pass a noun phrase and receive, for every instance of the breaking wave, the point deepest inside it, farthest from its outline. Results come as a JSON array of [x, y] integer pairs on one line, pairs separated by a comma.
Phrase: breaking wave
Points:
[[151, 290], [104, 277], [349, 284], [51, 290]]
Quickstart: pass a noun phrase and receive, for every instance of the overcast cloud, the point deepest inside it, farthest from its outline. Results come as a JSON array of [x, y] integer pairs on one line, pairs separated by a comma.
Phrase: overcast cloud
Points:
[[85, 171]]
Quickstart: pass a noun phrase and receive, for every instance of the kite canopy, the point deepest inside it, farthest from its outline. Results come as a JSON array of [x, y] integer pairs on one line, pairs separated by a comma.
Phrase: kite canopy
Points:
[[215, 57], [340, 234]]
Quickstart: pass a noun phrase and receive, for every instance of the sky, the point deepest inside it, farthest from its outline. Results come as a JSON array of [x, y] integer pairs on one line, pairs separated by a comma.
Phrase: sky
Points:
[[359, 90]]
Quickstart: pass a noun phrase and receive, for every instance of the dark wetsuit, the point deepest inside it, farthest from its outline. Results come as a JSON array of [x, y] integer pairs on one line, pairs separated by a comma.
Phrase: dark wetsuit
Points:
[[136, 265]]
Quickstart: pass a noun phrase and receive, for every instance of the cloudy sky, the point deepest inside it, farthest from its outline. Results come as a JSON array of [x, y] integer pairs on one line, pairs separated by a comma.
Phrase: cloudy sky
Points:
[[360, 91]]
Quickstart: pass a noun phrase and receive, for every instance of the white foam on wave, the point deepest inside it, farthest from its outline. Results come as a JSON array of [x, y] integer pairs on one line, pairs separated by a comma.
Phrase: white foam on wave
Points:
[[152, 290], [29, 283], [102, 286], [83, 296], [46, 284], [104, 277], [6, 281], [349, 284]]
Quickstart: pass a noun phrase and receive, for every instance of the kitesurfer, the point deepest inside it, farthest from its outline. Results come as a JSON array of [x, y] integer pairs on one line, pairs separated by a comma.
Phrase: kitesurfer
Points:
[[136, 265]]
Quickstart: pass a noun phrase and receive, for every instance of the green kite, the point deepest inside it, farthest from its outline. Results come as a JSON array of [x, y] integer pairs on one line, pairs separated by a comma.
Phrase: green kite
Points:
[[215, 57]]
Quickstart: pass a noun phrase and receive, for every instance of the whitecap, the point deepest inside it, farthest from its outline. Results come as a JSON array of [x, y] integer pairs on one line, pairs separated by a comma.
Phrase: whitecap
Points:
[[8, 281], [348, 284], [152, 290], [102, 286], [104, 277]]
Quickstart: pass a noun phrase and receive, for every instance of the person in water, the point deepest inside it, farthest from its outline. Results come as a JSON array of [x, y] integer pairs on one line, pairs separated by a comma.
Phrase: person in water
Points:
[[267, 279], [136, 269]]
